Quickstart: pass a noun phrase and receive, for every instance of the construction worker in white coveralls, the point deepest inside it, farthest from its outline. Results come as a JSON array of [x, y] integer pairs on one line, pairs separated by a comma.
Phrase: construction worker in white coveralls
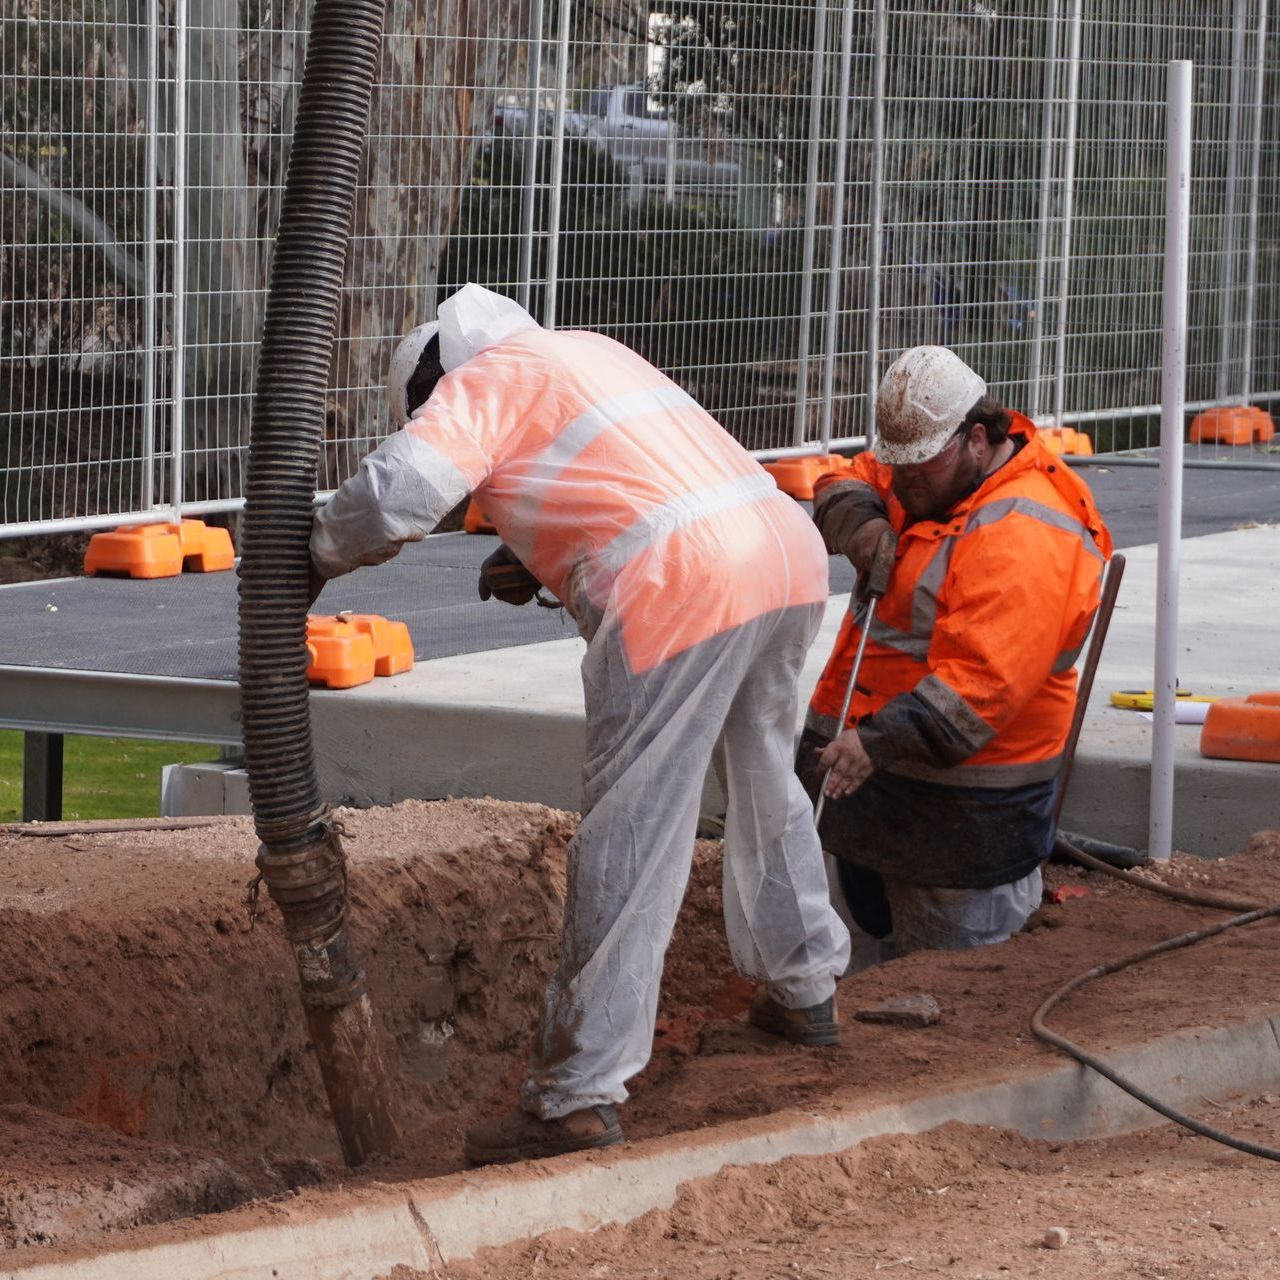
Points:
[[698, 586]]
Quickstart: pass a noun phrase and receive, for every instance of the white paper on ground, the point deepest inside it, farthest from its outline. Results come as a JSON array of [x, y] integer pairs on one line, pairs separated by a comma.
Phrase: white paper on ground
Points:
[[1184, 712]]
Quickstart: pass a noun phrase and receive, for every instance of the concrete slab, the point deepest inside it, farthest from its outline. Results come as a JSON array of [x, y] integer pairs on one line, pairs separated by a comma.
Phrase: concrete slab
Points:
[[417, 1224]]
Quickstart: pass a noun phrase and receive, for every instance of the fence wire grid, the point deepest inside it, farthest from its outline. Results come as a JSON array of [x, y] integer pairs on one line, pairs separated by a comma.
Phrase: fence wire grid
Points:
[[769, 201]]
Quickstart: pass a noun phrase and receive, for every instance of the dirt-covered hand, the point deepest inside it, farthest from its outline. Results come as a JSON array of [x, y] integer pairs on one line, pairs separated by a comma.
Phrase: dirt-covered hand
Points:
[[875, 582], [505, 578], [849, 765]]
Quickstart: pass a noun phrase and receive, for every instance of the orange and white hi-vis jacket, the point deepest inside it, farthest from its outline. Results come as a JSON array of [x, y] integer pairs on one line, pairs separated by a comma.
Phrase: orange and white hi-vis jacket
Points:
[[968, 678], [622, 495]]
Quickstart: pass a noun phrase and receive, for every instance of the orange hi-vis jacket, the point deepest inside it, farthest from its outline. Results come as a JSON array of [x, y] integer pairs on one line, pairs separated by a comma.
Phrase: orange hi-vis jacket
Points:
[[968, 678], [622, 495]]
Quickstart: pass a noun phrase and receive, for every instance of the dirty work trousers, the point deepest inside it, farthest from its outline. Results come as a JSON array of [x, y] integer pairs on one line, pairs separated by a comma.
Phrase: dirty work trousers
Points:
[[650, 736], [888, 917]]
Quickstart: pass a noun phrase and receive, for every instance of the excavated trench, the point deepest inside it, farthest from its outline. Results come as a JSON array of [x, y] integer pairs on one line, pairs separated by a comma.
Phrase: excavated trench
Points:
[[154, 1062]]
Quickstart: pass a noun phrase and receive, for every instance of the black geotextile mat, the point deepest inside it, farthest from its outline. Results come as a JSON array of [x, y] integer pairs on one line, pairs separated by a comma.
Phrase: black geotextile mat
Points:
[[186, 626]]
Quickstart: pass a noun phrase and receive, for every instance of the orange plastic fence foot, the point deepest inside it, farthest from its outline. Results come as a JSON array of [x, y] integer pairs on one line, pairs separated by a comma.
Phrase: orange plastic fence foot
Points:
[[1232, 424], [1067, 440], [797, 476], [1243, 728], [159, 550], [349, 649]]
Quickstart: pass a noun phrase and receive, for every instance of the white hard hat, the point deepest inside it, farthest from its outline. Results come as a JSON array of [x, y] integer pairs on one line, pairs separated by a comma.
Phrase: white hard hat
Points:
[[924, 397], [404, 361]]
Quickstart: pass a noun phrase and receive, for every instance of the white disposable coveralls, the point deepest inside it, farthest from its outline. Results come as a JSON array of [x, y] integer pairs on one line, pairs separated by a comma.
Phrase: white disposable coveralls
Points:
[[698, 587]]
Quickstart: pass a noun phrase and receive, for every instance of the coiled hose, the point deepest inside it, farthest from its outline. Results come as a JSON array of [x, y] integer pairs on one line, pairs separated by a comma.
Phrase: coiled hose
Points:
[[301, 857]]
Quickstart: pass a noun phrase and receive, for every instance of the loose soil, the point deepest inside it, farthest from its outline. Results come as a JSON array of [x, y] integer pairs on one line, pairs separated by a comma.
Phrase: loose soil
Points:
[[154, 1062]]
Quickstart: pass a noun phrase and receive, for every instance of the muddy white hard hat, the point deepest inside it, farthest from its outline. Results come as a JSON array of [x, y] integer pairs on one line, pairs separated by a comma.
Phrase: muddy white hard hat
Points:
[[404, 361], [924, 397]]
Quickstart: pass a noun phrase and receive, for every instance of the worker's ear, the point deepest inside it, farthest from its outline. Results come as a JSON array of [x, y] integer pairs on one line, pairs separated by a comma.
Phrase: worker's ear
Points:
[[977, 437]]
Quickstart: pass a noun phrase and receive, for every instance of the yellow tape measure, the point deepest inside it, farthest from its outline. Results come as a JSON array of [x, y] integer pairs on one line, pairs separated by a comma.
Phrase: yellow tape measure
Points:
[[1145, 699]]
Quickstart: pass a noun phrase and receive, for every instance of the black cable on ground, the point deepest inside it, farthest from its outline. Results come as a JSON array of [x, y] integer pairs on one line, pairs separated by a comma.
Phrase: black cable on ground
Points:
[[1252, 914]]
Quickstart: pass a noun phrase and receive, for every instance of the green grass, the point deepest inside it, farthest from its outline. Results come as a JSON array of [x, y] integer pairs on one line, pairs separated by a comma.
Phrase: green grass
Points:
[[101, 777]]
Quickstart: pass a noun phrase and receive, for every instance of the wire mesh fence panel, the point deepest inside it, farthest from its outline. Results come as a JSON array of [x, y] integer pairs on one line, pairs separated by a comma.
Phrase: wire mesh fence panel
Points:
[[769, 201]]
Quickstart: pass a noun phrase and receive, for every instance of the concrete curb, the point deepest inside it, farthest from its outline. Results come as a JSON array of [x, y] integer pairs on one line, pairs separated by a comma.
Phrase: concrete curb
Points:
[[420, 1223]]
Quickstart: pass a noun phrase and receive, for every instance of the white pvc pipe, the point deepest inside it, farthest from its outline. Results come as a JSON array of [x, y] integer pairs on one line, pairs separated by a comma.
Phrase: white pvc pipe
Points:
[[1048, 115], [529, 186], [1173, 380], [557, 167], [150, 234], [1068, 203], [810, 221], [1251, 267], [875, 218], [178, 267], [837, 227]]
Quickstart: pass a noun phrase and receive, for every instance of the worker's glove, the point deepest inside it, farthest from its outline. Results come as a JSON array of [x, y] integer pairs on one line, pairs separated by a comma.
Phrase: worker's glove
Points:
[[873, 582], [505, 578]]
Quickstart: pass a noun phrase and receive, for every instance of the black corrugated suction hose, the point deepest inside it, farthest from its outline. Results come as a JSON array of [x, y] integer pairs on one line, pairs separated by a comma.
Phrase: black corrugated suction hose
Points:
[[301, 858]]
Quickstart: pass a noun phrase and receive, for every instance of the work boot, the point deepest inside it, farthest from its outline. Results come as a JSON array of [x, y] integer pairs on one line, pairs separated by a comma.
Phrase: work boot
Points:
[[519, 1135], [817, 1025]]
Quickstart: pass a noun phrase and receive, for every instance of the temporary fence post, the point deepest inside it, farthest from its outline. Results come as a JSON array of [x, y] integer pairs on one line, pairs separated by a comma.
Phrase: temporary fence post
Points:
[[810, 220], [557, 167], [1227, 253], [1251, 260], [875, 256], [178, 265], [149, 217], [1068, 202], [837, 226], [1048, 116], [1172, 395], [529, 185]]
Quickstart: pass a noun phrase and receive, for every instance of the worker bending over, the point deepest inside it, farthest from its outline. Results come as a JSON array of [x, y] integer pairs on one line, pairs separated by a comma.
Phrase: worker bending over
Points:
[[699, 587], [942, 787]]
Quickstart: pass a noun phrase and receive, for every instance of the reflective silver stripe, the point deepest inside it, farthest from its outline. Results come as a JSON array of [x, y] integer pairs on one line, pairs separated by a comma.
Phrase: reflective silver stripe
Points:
[[916, 647], [972, 729], [990, 512], [924, 599], [981, 775], [960, 775], [545, 468], [684, 510]]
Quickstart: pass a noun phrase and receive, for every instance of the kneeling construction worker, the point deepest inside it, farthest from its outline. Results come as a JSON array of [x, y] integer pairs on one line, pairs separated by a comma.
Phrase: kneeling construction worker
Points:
[[941, 783], [698, 586]]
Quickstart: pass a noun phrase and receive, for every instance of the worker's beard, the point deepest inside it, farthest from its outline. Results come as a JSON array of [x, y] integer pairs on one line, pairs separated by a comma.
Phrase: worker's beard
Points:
[[926, 497]]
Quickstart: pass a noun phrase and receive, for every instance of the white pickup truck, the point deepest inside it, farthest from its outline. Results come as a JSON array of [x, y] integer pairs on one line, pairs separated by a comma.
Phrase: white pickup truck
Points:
[[633, 126]]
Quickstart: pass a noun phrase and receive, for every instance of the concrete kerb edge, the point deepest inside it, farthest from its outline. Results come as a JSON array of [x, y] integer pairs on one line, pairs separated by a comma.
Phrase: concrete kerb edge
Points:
[[419, 1224]]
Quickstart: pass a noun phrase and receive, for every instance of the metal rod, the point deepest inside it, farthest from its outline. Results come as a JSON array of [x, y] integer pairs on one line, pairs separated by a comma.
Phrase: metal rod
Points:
[[817, 76], [1173, 393], [1048, 114], [529, 188], [1251, 259], [1068, 202], [848, 697], [149, 220], [875, 215], [178, 266], [836, 268], [1227, 252], [557, 167], [1112, 576]]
